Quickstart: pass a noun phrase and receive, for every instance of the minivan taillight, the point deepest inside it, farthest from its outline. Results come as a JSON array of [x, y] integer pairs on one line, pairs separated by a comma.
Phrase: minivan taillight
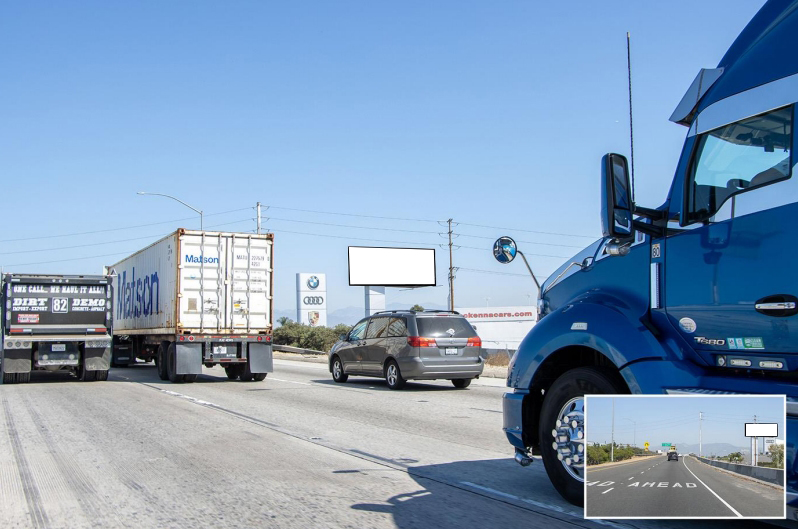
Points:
[[475, 341], [420, 341]]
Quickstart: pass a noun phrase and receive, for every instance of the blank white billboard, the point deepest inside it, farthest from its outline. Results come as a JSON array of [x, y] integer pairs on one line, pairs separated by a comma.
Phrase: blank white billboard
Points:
[[391, 267], [761, 429]]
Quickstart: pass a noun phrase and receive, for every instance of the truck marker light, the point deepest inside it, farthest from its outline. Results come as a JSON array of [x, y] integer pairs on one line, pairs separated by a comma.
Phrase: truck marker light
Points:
[[770, 364], [740, 362]]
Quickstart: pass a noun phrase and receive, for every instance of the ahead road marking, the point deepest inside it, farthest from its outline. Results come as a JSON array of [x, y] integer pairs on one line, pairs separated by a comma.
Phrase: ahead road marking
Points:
[[606, 491], [712, 491]]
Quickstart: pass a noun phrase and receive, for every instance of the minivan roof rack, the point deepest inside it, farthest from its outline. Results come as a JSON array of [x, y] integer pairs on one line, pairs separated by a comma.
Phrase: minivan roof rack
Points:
[[404, 311]]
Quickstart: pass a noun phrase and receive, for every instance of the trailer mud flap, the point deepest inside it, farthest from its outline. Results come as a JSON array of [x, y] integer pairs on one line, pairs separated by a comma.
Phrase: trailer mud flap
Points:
[[97, 358], [17, 361], [189, 359], [260, 358]]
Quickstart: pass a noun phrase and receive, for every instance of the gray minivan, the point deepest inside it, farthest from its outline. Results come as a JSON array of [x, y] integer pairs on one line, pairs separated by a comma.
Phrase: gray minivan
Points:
[[403, 345]]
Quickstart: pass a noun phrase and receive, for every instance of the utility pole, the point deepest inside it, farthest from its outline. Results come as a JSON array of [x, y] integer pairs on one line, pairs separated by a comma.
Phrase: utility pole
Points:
[[258, 208], [451, 269], [612, 444], [700, 424]]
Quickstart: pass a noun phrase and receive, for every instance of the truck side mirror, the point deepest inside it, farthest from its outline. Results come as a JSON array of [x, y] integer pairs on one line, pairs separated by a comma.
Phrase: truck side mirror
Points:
[[616, 197]]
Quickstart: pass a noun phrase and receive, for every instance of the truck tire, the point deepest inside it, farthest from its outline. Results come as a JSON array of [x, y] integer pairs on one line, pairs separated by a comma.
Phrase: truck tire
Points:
[[393, 376], [171, 365], [232, 372], [84, 375], [23, 378], [101, 375], [259, 377], [160, 362], [563, 406], [246, 374], [461, 383], [189, 378], [9, 378]]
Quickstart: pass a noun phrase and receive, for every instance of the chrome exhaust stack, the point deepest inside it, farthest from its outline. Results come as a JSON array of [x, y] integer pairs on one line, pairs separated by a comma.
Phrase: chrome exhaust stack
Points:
[[522, 457]]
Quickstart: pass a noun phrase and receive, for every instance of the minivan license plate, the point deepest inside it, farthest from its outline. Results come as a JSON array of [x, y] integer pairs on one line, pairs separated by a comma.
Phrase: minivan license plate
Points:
[[451, 350]]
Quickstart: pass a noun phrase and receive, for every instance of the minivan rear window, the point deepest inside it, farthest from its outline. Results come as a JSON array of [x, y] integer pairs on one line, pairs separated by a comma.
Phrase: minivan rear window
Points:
[[433, 327]]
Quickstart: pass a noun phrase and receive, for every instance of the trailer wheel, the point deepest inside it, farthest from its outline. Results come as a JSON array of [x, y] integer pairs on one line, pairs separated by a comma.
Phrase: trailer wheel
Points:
[[101, 375], [171, 365], [9, 378], [160, 362], [84, 375], [232, 372], [561, 428], [23, 378], [259, 377], [189, 378]]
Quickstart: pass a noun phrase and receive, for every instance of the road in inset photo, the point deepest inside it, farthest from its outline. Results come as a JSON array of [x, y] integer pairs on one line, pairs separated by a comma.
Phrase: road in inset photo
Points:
[[684, 456]]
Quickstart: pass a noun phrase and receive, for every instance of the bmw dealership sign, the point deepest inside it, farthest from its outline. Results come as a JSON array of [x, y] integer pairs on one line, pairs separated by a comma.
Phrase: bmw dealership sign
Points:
[[311, 299]]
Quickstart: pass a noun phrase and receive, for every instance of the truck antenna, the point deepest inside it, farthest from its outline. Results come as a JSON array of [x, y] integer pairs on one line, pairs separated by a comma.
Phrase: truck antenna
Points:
[[631, 129]]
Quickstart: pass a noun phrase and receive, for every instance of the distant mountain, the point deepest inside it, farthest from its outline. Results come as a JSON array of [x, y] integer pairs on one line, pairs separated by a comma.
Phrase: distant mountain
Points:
[[708, 449], [351, 315]]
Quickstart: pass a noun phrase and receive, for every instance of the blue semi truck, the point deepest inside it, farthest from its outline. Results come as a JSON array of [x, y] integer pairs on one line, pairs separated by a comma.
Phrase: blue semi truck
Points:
[[697, 296]]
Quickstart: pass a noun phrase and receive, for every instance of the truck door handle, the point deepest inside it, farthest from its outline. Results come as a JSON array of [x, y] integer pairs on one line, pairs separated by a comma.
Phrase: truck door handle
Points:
[[779, 305]]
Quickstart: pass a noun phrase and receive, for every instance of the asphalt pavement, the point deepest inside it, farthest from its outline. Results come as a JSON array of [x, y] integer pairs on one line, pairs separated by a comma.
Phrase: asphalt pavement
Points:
[[656, 487], [296, 450]]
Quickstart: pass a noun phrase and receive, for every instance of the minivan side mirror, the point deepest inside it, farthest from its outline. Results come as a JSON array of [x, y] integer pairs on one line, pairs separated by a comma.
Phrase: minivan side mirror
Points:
[[616, 197]]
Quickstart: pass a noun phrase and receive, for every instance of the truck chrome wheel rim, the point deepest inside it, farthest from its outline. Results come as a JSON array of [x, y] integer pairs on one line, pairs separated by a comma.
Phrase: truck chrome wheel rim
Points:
[[392, 375], [569, 437], [337, 368]]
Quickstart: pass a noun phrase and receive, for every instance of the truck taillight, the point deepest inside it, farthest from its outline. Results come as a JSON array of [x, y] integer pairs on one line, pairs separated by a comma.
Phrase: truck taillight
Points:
[[420, 341], [475, 341]]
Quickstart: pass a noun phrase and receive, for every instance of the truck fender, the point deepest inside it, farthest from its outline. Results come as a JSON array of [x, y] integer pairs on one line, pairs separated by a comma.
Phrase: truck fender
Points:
[[615, 334]]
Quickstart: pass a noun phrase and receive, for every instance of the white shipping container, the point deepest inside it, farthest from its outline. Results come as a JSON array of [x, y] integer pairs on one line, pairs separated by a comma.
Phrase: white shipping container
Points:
[[196, 282]]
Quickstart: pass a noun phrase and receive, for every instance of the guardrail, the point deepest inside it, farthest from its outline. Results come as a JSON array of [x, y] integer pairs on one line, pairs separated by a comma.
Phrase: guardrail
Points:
[[297, 350], [771, 475]]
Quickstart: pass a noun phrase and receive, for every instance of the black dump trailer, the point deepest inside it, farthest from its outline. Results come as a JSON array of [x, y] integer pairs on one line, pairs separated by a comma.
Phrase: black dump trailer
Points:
[[55, 323]]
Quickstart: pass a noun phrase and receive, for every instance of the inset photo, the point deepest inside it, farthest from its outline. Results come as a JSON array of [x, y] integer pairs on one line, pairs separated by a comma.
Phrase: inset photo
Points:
[[685, 456]]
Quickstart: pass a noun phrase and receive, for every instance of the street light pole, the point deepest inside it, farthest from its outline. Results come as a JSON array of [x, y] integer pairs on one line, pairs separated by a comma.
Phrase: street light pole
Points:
[[178, 200]]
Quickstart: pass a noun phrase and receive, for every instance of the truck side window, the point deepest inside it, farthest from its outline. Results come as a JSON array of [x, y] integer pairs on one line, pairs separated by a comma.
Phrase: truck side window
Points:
[[738, 158], [358, 332]]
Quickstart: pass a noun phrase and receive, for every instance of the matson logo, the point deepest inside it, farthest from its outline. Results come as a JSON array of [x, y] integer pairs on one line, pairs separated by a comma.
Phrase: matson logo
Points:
[[198, 259], [313, 300]]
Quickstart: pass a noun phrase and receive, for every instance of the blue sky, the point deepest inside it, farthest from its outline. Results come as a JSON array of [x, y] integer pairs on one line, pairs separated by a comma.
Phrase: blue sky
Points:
[[490, 113], [675, 419]]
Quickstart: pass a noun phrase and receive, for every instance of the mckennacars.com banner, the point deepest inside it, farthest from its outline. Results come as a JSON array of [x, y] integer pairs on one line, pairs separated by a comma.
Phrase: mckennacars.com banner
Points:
[[498, 313]]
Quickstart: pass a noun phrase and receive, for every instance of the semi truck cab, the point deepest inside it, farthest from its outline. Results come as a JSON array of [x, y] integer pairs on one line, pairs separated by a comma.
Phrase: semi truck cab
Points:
[[696, 296]]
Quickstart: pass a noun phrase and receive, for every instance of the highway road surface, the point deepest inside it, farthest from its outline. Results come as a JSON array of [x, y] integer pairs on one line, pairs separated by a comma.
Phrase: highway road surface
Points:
[[296, 450], [657, 487]]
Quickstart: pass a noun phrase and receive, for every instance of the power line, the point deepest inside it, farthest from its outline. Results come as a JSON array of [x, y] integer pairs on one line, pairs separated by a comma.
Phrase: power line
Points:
[[525, 242], [348, 214], [348, 225], [491, 272], [530, 231], [352, 238], [118, 229]]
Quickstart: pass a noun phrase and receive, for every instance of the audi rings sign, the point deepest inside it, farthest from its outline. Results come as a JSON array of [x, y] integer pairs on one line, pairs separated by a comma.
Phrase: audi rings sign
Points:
[[311, 299]]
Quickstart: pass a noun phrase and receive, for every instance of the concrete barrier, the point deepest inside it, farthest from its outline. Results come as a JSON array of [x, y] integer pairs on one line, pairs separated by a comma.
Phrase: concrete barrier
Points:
[[771, 475], [297, 350]]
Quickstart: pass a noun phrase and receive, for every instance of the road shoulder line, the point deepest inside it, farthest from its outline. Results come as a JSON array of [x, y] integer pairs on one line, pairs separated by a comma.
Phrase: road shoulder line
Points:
[[684, 462]]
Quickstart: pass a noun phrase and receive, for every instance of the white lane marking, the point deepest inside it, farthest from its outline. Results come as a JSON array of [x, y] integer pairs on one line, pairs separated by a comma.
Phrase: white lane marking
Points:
[[606, 491], [712, 491], [291, 381], [630, 478]]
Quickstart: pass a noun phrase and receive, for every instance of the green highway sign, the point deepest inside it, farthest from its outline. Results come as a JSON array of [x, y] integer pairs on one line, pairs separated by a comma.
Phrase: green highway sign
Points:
[[666, 444]]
